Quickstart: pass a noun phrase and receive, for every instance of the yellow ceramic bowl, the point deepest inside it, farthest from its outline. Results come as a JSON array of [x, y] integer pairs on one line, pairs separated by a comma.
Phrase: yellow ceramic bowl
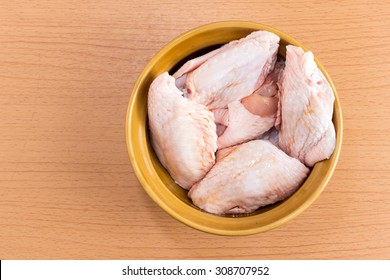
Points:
[[156, 180]]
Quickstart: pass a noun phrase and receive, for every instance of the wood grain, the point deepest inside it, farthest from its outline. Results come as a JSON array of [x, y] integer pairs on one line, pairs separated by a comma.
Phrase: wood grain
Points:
[[67, 189]]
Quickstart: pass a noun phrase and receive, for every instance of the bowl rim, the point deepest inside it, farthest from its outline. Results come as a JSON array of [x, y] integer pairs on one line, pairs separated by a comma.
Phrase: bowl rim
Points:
[[141, 176]]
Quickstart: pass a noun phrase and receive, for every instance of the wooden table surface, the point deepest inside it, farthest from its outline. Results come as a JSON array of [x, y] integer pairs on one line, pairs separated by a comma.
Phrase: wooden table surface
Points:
[[67, 188]]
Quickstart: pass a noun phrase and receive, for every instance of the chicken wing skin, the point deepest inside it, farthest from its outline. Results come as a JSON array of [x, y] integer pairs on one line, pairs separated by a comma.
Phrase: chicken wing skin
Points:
[[244, 125], [196, 62], [232, 72], [270, 86], [253, 115], [306, 131], [246, 177], [183, 132]]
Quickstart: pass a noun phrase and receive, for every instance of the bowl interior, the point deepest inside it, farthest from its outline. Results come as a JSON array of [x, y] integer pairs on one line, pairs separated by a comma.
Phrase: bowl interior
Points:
[[157, 181]]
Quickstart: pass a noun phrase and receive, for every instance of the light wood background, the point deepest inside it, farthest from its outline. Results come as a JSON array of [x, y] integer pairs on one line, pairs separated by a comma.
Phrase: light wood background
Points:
[[67, 189]]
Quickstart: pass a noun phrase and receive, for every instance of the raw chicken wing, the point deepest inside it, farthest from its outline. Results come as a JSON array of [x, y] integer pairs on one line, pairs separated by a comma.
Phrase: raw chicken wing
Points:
[[183, 132], [232, 72], [306, 108], [246, 177]]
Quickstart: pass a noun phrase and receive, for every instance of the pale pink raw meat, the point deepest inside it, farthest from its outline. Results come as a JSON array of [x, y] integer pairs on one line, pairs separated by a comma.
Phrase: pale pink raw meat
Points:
[[270, 86], [306, 108], [247, 119], [232, 72], [221, 116], [246, 177], [260, 105], [183, 132], [256, 115]]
